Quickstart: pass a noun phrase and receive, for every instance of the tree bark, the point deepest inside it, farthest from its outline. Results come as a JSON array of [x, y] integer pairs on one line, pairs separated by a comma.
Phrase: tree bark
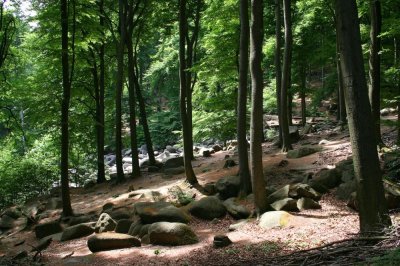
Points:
[[375, 68], [370, 193], [278, 68], [100, 106], [118, 92], [244, 171], [132, 108], [303, 95], [66, 82], [190, 176], [286, 145], [256, 40], [396, 64]]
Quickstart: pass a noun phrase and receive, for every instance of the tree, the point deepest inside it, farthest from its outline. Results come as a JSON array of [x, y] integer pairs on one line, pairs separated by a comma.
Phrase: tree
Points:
[[119, 90], [244, 172], [184, 91], [278, 68], [375, 67], [286, 145], [370, 194], [256, 40], [66, 83], [7, 31]]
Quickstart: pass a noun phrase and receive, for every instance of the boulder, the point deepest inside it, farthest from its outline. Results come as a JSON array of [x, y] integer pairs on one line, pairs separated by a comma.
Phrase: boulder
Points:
[[307, 204], [173, 163], [236, 210], [306, 129], [174, 171], [299, 190], [144, 230], [207, 208], [6, 222], [302, 151], [238, 225], [151, 212], [344, 191], [78, 231], [275, 219], [119, 213], [280, 194], [228, 187], [327, 178], [13, 212], [353, 202], [110, 241], [46, 229], [135, 228], [171, 234], [393, 201], [123, 226], [229, 163], [348, 176], [105, 224], [294, 134], [53, 204], [287, 204], [221, 241], [79, 219], [217, 148]]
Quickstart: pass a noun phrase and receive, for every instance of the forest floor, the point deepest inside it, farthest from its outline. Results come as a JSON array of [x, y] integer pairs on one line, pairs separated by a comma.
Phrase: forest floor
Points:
[[252, 245]]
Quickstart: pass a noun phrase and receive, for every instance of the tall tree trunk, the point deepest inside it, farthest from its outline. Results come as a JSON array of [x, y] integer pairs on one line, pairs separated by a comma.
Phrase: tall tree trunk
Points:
[[190, 176], [341, 103], [132, 108], [118, 93], [370, 193], [290, 108], [278, 68], [303, 95], [375, 68], [397, 80], [66, 199], [100, 107], [244, 171], [256, 40], [143, 116], [286, 145]]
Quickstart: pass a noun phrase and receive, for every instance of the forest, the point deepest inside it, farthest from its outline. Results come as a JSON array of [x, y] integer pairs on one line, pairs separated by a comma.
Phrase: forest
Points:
[[199, 132]]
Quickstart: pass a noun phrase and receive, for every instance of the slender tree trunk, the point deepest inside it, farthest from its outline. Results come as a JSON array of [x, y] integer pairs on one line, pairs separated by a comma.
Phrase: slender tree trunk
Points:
[[286, 145], [100, 107], [278, 68], [375, 67], [143, 116], [118, 93], [256, 40], [67, 209], [370, 193], [244, 171], [190, 176], [341, 102], [290, 108], [303, 95], [132, 108], [396, 64]]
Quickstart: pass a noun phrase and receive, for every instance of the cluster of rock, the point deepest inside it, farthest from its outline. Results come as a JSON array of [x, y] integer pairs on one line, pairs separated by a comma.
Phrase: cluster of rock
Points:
[[169, 160]]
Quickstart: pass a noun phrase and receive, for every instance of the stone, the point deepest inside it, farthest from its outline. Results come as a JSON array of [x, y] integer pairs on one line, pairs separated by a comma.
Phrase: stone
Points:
[[209, 188], [393, 201], [221, 241], [294, 134], [108, 206], [228, 187], [280, 194], [236, 210], [145, 240], [174, 171], [151, 212], [53, 204], [238, 225], [299, 190], [275, 219], [217, 148], [120, 213], [229, 163], [6, 222], [344, 190], [173, 163], [135, 228], [105, 223], [353, 202], [78, 231], [144, 230], [151, 196], [302, 151], [171, 234], [152, 169], [110, 241], [287, 204], [307, 204], [13, 212], [329, 178], [79, 219], [123, 226], [207, 208], [348, 176], [306, 129], [317, 186], [46, 229]]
